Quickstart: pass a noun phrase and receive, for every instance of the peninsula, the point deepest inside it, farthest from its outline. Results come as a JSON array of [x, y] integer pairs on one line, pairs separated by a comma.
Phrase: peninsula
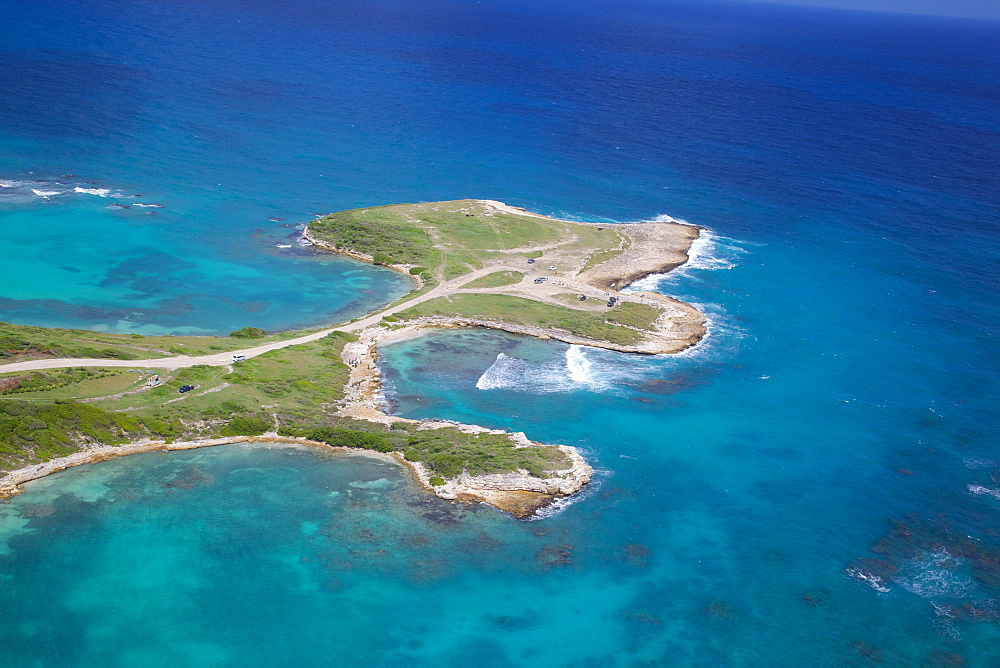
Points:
[[66, 398]]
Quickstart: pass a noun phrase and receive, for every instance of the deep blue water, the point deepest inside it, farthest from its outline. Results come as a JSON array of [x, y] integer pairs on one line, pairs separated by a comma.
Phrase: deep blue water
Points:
[[846, 164]]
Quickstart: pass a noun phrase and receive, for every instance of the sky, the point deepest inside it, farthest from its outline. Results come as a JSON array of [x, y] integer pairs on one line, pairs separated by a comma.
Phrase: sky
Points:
[[979, 9]]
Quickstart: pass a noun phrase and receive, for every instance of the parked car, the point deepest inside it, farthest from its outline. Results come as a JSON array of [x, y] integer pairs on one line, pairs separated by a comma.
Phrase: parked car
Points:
[[239, 358], [185, 388], [540, 280]]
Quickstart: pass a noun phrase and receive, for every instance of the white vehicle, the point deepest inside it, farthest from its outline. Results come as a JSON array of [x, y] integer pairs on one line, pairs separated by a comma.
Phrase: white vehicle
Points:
[[552, 267], [239, 358]]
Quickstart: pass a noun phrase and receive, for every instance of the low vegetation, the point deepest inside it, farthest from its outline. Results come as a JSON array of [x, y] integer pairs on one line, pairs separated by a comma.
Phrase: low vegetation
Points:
[[497, 279], [33, 432], [51, 379], [295, 390], [22, 342], [249, 333], [449, 239], [619, 325], [448, 452]]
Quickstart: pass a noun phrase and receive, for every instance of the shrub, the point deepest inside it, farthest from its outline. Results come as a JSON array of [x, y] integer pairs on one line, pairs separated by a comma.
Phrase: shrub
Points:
[[249, 333], [162, 427], [246, 426], [437, 480], [446, 465], [193, 374], [350, 438], [417, 270], [381, 258], [346, 336]]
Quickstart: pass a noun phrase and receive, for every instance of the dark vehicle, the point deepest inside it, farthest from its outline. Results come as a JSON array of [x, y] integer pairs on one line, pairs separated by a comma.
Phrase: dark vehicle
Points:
[[583, 298], [540, 280], [531, 260], [613, 299], [185, 388], [611, 303]]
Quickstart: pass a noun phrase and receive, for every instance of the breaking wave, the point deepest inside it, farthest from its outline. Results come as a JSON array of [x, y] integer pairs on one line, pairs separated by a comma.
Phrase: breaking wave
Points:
[[511, 373], [870, 579], [580, 368], [709, 252], [100, 192], [980, 490], [565, 502], [583, 368], [26, 191]]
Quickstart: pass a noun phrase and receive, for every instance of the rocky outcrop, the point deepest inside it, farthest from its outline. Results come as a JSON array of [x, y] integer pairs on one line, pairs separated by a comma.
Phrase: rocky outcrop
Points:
[[12, 482], [654, 248]]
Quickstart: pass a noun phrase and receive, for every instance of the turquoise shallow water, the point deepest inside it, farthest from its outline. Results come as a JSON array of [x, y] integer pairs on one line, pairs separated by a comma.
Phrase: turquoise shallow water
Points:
[[146, 267], [816, 484]]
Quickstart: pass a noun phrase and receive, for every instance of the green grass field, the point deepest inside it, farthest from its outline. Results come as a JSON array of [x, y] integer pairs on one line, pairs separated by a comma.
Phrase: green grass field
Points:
[[599, 325], [497, 279], [18, 342], [452, 238]]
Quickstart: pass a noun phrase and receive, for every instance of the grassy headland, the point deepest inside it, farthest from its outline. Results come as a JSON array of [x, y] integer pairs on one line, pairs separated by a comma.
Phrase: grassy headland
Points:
[[474, 258], [622, 325]]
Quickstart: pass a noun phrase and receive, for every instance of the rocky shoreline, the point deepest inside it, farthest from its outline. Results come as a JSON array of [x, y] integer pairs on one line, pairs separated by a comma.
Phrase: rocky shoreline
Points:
[[12, 483], [364, 257]]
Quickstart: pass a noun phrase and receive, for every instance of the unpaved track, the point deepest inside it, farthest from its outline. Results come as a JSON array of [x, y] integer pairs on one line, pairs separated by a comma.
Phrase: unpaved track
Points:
[[222, 359]]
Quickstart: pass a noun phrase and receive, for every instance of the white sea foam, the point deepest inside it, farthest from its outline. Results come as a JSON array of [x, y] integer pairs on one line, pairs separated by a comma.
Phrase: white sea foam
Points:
[[148, 206], [709, 252], [980, 490], [870, 579], [582, 368], [977, 463], [27, 191], [561, 504], [944, 621], [512, 373], [100, 192], [578, 366], [936, 575], [24, 192]]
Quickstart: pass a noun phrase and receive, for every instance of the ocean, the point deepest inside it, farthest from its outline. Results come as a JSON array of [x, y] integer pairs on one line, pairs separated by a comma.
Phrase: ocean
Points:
[[817, 483]]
